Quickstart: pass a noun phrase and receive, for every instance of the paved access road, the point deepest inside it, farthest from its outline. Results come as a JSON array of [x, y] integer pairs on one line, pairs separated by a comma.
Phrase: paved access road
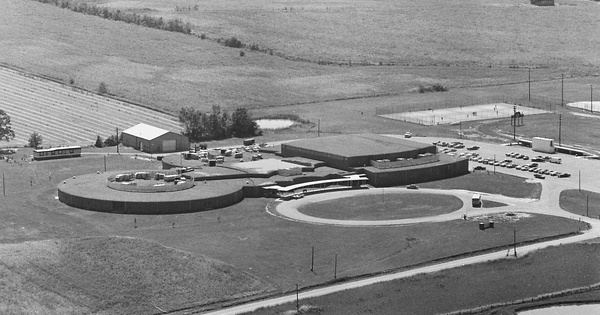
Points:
[[548, 204]]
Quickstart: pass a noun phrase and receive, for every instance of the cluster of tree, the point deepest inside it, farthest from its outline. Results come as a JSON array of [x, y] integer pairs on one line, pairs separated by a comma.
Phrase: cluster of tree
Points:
[[188, 8], [174, 25], [432, 88], [6, 132], [199, 126], [108, 142]]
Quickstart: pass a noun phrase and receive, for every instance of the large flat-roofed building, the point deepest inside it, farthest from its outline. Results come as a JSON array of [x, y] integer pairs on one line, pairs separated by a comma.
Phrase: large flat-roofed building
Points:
[[387, 161], [151, 139], [349, 151]]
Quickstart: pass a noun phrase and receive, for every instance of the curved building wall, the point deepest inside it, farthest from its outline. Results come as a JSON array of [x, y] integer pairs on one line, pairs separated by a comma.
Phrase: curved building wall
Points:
[[141, 207]]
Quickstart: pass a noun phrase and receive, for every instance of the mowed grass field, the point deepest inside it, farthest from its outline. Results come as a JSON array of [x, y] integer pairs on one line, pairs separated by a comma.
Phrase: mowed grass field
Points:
[[239, 243], [383, 207]]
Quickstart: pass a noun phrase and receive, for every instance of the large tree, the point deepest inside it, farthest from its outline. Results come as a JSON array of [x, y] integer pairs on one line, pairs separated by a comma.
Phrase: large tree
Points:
[[243, 125], [6, 132], [194, 123], [35, 140]]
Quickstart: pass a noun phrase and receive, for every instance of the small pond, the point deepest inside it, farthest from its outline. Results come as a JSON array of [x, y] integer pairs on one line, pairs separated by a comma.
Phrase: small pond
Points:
[[584, 309], [274, 123]]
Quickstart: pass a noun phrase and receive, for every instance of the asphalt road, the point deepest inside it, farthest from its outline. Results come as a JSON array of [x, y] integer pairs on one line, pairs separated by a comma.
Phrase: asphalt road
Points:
[[548, 204]]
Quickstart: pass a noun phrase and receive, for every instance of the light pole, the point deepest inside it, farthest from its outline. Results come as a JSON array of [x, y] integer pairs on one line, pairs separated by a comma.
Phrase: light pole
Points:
[[559, 127], [529, 80], [587, 205], [591, 98]]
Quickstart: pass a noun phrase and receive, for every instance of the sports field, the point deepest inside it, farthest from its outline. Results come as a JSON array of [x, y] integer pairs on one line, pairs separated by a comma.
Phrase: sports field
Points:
[[455, 115]]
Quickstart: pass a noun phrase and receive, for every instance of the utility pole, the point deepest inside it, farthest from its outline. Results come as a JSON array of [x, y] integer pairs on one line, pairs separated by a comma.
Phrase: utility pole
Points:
[[312, 261], [3, 185], [529, 80], [297, 300], [591, 98], [587, 205], [117, 140], [562, 89], [105, 163], [494, 164], [515, 124], [319, 128], [559, 127], [515, 242], [335, 268], [579, 180]]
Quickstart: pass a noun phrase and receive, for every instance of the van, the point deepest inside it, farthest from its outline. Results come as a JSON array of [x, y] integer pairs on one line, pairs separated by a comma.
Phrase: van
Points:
[[476, 201], [556, 160]]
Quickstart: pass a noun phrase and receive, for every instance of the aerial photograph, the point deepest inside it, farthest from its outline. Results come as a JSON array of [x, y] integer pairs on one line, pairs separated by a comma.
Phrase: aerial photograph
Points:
[[324, 157]]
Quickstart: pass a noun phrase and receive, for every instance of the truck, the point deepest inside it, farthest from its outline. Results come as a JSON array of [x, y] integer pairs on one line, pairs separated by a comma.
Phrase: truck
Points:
[[543, 145], [556, 160]]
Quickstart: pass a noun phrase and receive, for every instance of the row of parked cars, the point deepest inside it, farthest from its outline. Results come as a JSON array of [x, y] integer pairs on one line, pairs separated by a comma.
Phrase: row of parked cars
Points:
[[529, 167]]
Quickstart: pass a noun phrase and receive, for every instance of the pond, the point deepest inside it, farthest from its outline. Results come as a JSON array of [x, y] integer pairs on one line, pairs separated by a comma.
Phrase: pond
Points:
[[582, 309], [274, 123]]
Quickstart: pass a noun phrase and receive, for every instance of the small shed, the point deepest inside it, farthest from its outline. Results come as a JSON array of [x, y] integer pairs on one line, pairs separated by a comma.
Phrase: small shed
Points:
[[151, 139]]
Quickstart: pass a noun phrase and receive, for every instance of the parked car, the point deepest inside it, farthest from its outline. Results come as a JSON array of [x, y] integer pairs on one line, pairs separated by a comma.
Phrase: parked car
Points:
[[412, 186], [540, 176], [564, 175], [479, 168], [473, 147]]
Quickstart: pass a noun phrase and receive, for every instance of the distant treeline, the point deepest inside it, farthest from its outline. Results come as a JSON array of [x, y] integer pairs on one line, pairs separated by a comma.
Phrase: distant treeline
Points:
[[175, 25]]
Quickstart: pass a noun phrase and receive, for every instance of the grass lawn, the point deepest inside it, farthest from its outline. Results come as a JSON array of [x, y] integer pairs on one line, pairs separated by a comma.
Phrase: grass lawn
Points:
[[580, 202], [388, 206], [468, 287], [244, 236], [112, 275], [489, 182]]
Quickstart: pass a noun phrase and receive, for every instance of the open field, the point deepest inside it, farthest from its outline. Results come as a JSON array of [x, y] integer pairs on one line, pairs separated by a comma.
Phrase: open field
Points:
[[252, 238], [112, 275], [68, 116], [496, 282]]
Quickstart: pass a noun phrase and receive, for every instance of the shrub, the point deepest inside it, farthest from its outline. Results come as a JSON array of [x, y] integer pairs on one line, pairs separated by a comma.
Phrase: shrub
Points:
[[242, 54], [202, 36], [99, 143], [102, 88], [233, 42]]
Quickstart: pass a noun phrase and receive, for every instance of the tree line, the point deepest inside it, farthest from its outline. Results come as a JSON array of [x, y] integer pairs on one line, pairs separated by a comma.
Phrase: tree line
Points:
[[174, 25], [216, 125]]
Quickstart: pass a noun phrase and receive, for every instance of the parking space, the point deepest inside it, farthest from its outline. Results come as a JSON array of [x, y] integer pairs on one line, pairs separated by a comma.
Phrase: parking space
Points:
[[521, 161]]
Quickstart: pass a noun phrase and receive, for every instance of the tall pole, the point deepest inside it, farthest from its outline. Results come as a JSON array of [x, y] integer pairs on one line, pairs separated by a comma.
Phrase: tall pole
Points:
[[587, 205], [529, 80], [105, 163], [591, 98], [3, 185], [515, 124], [515, 242], [312, 261], [559, 127], [335, 268], [117, 140], [319, 128], [494, 164], [562, 89], [580, 180], [297, 300], [460, 128]]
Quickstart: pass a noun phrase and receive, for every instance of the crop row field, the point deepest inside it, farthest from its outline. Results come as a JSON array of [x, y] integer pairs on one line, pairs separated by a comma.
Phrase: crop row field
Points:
[[65, 115]]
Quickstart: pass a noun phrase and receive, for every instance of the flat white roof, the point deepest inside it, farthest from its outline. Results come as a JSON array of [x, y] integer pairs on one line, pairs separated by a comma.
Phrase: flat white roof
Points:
[[318, 182], [145, 132]]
